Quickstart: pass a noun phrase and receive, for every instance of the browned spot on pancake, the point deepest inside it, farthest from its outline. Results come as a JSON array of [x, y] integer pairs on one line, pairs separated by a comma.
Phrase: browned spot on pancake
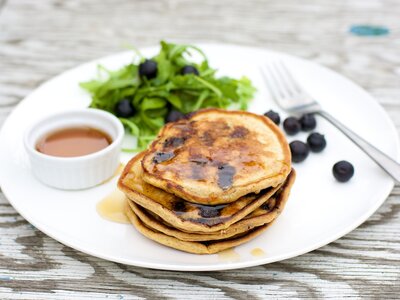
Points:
[[239, 132], [160, 157], [184, 129], [251, 163], [207, 138], [210, 131], [225, 176], [174, 142], [220, 126]]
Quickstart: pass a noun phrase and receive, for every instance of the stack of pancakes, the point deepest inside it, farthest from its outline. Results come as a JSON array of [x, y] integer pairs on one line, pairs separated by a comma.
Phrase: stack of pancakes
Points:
[[209, 182]]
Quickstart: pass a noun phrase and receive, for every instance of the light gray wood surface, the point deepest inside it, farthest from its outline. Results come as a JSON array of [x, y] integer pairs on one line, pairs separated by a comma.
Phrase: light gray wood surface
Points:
[[39, 39]]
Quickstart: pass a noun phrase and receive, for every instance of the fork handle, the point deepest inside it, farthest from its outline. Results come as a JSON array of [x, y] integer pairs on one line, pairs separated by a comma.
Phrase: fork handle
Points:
[[385, 162]]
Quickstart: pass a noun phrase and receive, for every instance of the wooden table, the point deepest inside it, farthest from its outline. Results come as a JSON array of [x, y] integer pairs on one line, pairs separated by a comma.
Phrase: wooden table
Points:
[[39, 39]]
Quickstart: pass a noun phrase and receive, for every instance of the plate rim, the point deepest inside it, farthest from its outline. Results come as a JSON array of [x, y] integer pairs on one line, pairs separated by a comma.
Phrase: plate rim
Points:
[[225, 265]]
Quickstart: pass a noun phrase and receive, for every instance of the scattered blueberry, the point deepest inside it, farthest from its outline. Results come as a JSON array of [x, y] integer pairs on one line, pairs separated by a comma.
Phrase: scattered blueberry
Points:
[[291, 125], [148, 69], [189, 70], [316, 142], [343, 171], [308, 122], [299, 151], [273, 116], [174, 115], [124, 108]]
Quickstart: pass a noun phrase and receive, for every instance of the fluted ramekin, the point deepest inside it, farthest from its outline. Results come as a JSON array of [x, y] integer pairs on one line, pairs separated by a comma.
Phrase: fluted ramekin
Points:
[[81, 172]]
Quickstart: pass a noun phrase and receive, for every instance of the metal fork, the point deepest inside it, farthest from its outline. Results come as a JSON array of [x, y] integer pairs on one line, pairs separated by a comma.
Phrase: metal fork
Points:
[[289, 96]]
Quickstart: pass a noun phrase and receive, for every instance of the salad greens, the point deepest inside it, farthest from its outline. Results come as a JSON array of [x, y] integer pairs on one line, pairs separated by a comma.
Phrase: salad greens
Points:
[[152, 99]]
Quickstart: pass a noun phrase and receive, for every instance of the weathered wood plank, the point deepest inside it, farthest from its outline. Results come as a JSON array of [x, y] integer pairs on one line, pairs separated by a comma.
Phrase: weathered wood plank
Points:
[[39, 39]]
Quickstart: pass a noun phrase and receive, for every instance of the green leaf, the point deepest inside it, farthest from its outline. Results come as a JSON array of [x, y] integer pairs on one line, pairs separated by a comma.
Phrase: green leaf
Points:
[[133, 129]]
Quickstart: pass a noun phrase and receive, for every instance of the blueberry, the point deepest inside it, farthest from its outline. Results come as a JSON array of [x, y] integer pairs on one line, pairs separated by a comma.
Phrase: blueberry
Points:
[[148, 69], [299, 151], [291, 125], [124, 109], [308, 122], [343, 171], [174, 115], [189, 70], [274, 116], [316, 142]]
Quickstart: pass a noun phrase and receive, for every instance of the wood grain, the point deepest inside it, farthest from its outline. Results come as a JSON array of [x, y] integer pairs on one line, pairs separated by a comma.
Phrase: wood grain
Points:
[[39, 39]]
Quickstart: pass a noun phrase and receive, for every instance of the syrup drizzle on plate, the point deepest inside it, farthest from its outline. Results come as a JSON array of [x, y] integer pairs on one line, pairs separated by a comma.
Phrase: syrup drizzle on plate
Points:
[[257, 252], [113, 207], [229, 255]]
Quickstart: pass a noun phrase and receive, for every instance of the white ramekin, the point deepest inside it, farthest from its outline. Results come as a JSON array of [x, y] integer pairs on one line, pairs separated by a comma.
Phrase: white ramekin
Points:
[[73, 173]]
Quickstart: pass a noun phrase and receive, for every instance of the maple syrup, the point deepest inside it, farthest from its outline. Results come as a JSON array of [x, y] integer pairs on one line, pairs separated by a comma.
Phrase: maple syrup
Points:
[[74, 141]]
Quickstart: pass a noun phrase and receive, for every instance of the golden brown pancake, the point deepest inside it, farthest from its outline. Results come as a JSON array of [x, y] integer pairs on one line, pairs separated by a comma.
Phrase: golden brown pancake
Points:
[[184, 215], [193, 247], [263, 215], [217, 156]]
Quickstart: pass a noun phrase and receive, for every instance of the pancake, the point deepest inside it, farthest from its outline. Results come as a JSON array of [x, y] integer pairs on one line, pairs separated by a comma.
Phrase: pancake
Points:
[[193, 247], [187, 216], [268, 212], [217, 156]]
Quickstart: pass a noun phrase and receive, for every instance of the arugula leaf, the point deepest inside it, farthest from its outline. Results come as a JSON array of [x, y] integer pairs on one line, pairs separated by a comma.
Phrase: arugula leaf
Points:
[[153, 99]]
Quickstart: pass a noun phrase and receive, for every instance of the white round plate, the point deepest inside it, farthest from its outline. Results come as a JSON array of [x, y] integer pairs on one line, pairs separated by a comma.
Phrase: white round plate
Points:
[[319, 211]]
